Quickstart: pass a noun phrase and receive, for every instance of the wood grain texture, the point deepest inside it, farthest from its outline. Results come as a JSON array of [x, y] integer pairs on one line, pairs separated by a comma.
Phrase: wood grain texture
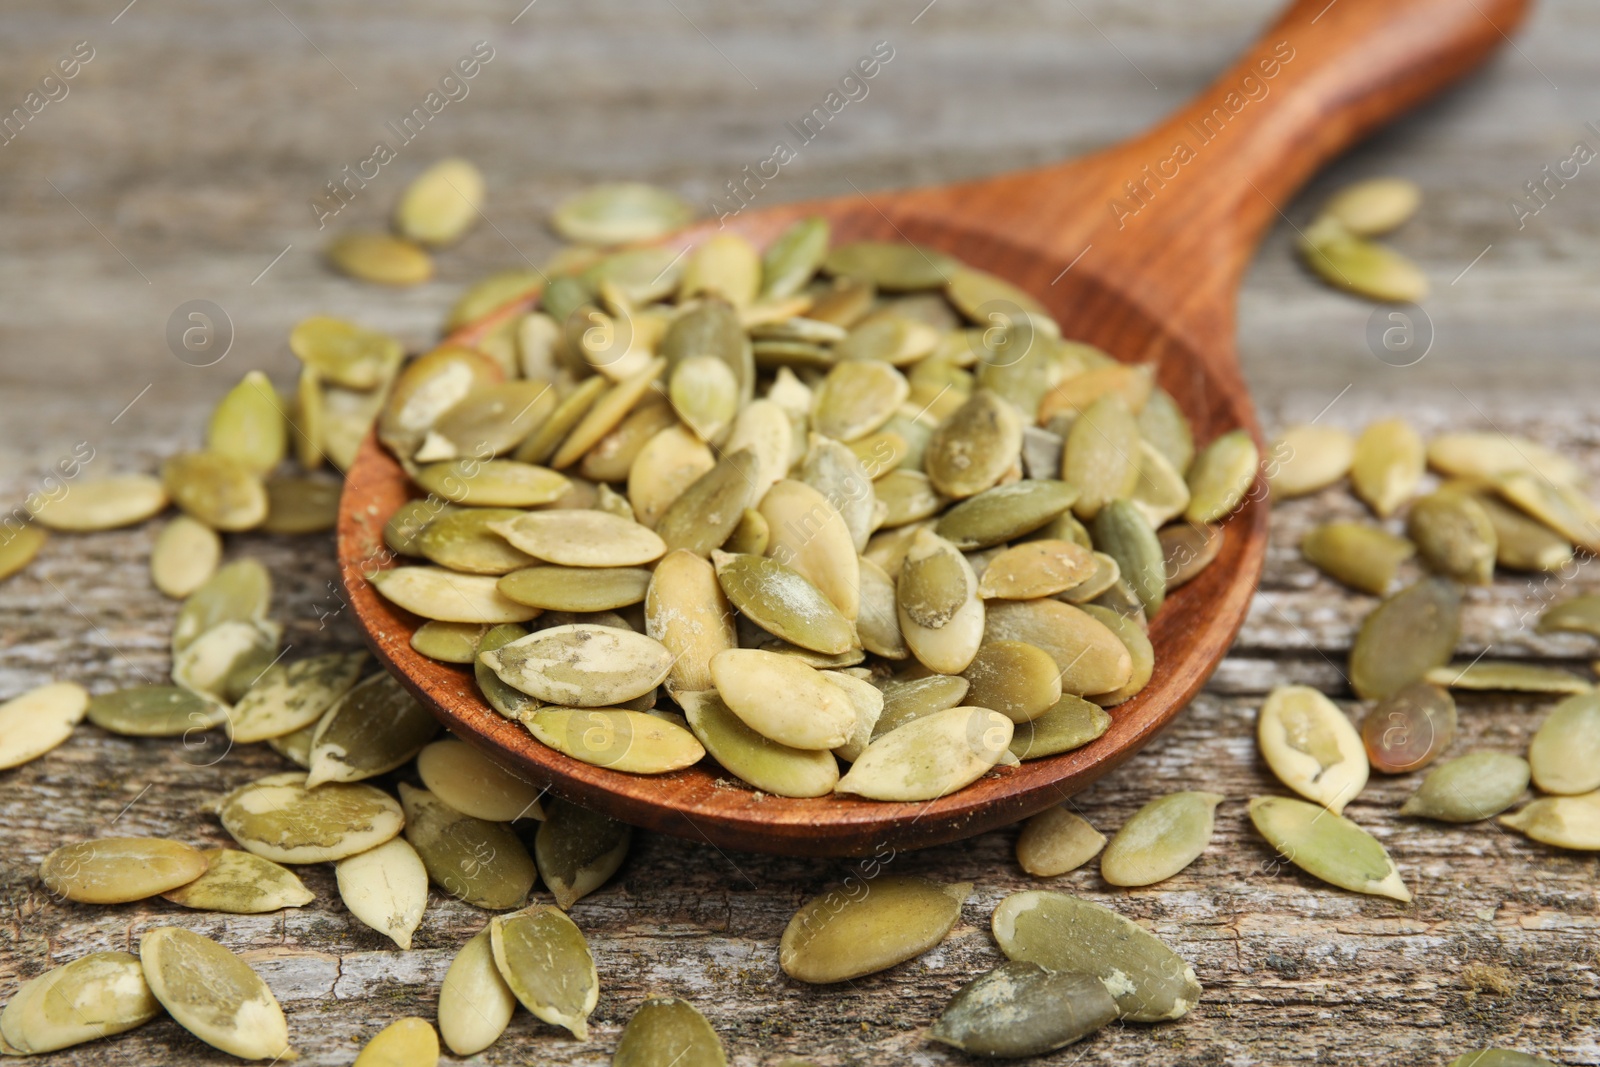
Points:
[[193, 141]]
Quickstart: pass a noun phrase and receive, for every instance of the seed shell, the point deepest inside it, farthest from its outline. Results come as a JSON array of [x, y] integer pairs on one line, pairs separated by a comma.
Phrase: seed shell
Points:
[[214, 994], [1566, 822], [1470, 788], [482, 863], [35, 722], [578, 851], [1162, 838], [94, 996], [227, 656], [408, 1042], [386, 888], [1327, 846], [436, 593], [1361, 556], [1056, 841], [1311, 746], [475, 1004], [293, 696], [1388, 464], [1565, 752], [1406, 636], [622, 740], [930, 757], [279, 818], [1021, 1009], [115, 870], [758, 761], [668, 1032], [840, 935], [546, 963], [1508, 675], [105, 504]]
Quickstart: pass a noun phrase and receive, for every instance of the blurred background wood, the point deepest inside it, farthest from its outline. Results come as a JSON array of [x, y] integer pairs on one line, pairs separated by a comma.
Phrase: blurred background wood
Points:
[[185, 158]]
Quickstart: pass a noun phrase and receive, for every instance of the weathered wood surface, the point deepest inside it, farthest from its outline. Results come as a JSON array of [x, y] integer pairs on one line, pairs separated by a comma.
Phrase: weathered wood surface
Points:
[[194, 140]]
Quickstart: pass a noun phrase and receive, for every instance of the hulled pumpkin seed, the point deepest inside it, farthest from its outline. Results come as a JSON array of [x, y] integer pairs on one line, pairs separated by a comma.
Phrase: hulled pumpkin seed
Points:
[[229, 655], [866, 700], [940, 614], [1149, 981], [214, 994], [857, 398], [878, 624], [342, 353], [378, 257], [407, 1042], [724, 265], [436, 593], [612, 457], [488, 421], [929, 757], [1454, 535], [219, 491], [1071, 724], [1091, 658], [241, 883], [1161, 492], [1499, 1057], [35, 722], [542, 443], [835, 472], [1056, 841], [1388, 464], [1222, 474], [500, 483], [576, 588], [794, 257], [782, 602], [1508, 675], [1560, 507], [1188, 549], [476, 785], [475, 1004], [1467, 454], [279, 818], [1018, 680], [1128, 624], [1362, 267], [441, 203], [374, 728], [1121, 531], [1361, 556], [248, 425], [491, 292], [403, 531], [1407, 635], [18, 548], [1162, 838], [581, 665], [106, 504], [546, 963], [757, 760], [975, 446], [508, 701], [386, 888], [1311, 746], [428, 387], [808, 535], [1375, 206], [1021, 1009], [1470, 788], [891, 265], [292, 696], [1036, 569], [295, 747], [1408, 729], [1101, 458], [449, 642], [905, 700], [156, 711], [1565, 751], [482, 863], [1522, 543], [1327, 846], [622, 740], [185, 556], [840, 934], [1005, 513], [1566, 822], [578, 851], [115, 870], [1163, 425], [94, 996], [617, 213], [704, 514], [667, 1031], [607, 413], [783, 699], [1308, 458], [668, 464]]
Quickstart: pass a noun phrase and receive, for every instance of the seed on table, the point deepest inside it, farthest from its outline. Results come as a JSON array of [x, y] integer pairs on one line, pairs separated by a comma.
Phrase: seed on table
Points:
[[40, 719], [1021, 1009], [344, 354], [1308, 458], [94, 996], [1409, 729], [667, 1031], [482, 863], [104, 504], [1564, 509], [225, 655], [1508, 675], [1454, 535], [1565, 752], [1188, 549], [840, 935], [783, 602], [386, 888], [214, 994], [1499, 1057], [1162, 838], [241, 883], [378, 257], [756, 760], [1149, 981], [156, 711], [578, 851], [408, 1042], [1362, 267], [436, 593], [1056, 841], [279, 818], [1387, 466], [1328, 846], [1361, 556], [1220, 477], [293, 696], [1374, 206], [374, 728], [295, 747], [219, 491], [617, 213], [184, 557], [1484, 455], [1311, 746], [473, 784], [19, 547], [475, 1004], [1522, 543], [115, 870], [547, 964], [1579, 614], [1406, 636], [930, 757], [428, 387], [1566, 822], [1469, 788], [248, 425], [441, 203], [1018, 680]]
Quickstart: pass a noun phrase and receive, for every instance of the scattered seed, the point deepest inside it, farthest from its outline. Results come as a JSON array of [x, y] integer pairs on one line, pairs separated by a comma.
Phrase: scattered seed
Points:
[[475, 1004], [344, 354], [1521, 543], [1375, 206], [1362, 267], [1388, 464], [617, 213], [293, 696], [374, 728], [1470, 788], [219, 491], [1579, 614], [227, 656], [1560, 507], [1499, 1057], [94, 996], [1508, 675], [578, 851], [241, 883], [279, 818], [482, 863], [156, 711], [115, 870], [40, 719], [106, 504], [1311, 746], [378, 257], [546, 963], [1327, 846], [1162, 838], [1486, 455], [386, 888], [214, 994], [1406, 635], [1361, 556], [1308, 458], [1056, 841], [1454, 535], [19, 547], [667, 1031], [1566, 822], [185, 556], [475, 785], [408, 1042], [441, 203], [1021, 1009], [1565, 752], [840, 935], [1409, 729]]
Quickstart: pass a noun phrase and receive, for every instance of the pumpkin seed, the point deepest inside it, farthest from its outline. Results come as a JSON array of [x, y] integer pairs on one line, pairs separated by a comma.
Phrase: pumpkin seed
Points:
[[576, 588], [1188, 549], [866, 702], [1162, 424], [1362, 267], [581, 539], [617, 213], [1021, 1009], [218, 491], [105, 504], [724, 265], [371, 730], [1328, 846], [1148, 981], [1499, 1057], [907, 497], [18, 547], [581, 665], [1375, 206], [667, 465], [403, 532], [890, 338], [1486, 455], [1161, 492], [974, 291], [279, 818], [241, 883], [441, 203], [878, 624], [489, 421], [94, 996], [783, 602], [808, 535], [378, 257], [483, 863], [1129, 627], [761, 762], [386, 888], [686, 611], [705, 395], [841, 934], [1565, 752], [1005, 513], [1566, 822], [617, 738], [834, 471], [449, 642], [1018, 680], [1091, 658], [783, 699], [500, 483], [509, 702], [295, 747], [475, 785], [1071, 724], [1361, 556], [578, 851], [229, 654], [1221, 476], [666, 1031], [905, 700], [492, 292], [301, 505], [1408, 730], [974, 447], [184, 557], [929, 757], [891, 265], [308, 418], [1454, 535], [1470, 788], [794, 257], [607, 412], [1407, 635], [408, 1042], [1103, 578], [115, 870], [292, 696], [541, 444], [1522, 543], [1035, 569], [764, 429], [213, 994], [428, 387], [856, 398], [345, 354], [940, 614], [638, 275], [1308, 458], [248, 425], [1388, 464], [155, 711], [475, 1004], [704, 514], [1162, 838], [1122, 532], [1560, 507], [546, 963], [1311, 746], [436, 593], [1056, 841], [1101, 458], [38, 720], [1073, 396], [1508, 675]]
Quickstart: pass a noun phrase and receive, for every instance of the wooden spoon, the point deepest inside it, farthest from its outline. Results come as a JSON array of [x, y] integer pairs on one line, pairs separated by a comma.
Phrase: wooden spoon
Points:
[[1138, 249]]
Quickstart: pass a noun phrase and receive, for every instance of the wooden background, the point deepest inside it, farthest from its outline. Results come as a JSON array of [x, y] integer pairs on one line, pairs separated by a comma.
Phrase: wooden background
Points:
[[183, 161]]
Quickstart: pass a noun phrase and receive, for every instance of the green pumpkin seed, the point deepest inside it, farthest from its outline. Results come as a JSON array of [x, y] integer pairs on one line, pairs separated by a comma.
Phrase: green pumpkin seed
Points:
[[1388, 464], [1162, 838], [248, 425], [1162, 424], [782, 602], [403, 531], [794, 257], [1161, 492], [380, 258], [1091, 658], [1005, 513], [1129, 626], [435, 593], [1565, 752], [227, 656], [1520, 542], [576, 588], [857, 398], [428, 387], [1470, 788], [976, 292], [475, 785], [488, 421], [668, 1032], [1327, 846], [1035, 569], [1364, 268], [508, 701], [1122, 532], [1560, 507], [441, 203], [279, 818], [706, 513], [490, 293], [1056, 841], [836, 473], [1407, 635], [770, 353], [891, 265], [292, 696], [1486, 455], [1499, 1057], [185, 556], [1018, 680], [482, 863], [929, 757], [578, 851], [38, 720], [639, 275], [783, 699], [1375, 206], [1021, 1009], [1566, 822], [1220, 477], [94, 996], [910, 699], [295, 747], [607, 413], [214, 994], [757, 760], [475, 1004], [1508, 675], [878, 624], [218, 491], [386, 888], [975, 446], [616, 738], [1101, 580], [500, 483], [686, 611], [890, 338], [374, 728], [541, 444], [19, 546], [1454, 536], [1102, 455], [724, 265], [940, 614], [1361, 556], [907, 497], [1308, 458], [866, 701], [546, 963], [1073, 396], [841, 934], [1311, 746], [407, 1042], [581, 665], [105, 504], [668, 464], [156, 711], [449, 642], [705, 395], [1149, 981], [1188, 549], [617, 213], [1408, 730], [1071, 724], [466, 541], [241, 883], [807, 534], [115, 870], [345, 354]]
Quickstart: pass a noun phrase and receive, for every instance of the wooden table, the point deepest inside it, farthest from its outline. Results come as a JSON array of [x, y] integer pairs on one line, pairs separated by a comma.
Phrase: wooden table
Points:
[[182, 165]]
